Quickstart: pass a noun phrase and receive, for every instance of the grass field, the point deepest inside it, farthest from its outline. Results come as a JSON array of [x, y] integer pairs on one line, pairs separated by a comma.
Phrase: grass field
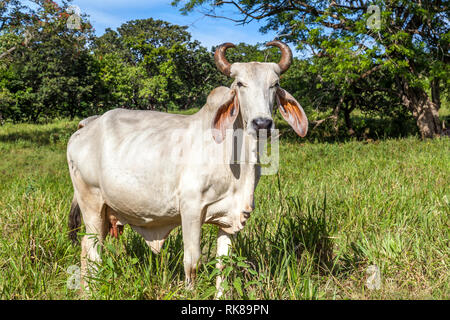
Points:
[[333, 210]]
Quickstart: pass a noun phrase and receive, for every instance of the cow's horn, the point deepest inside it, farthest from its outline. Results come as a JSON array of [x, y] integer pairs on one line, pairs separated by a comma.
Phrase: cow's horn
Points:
[[221, 62], [286, 54]]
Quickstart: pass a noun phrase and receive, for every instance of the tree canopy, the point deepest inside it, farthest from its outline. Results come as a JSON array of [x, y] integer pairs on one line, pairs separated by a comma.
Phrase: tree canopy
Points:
[[156, 64], [392, 48], [385, 58]]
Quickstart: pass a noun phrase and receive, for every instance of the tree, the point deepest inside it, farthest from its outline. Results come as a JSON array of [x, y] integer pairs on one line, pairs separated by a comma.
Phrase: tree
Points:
[[51, 73], [175, 72], [408, 47], [14, 19], [243, 52]]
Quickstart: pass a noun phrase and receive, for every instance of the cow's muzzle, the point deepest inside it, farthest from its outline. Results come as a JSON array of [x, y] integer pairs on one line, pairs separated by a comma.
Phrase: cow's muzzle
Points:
[[262, 126]]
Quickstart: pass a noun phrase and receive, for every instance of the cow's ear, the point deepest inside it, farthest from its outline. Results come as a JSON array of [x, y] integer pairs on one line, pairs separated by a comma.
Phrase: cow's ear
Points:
[[292, 112], [225, 117]]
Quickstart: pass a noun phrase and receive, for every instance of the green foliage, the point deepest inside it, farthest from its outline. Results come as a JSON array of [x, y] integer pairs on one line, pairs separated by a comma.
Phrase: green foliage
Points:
[[397, 72], [54, 71], [159, 67], [240, 279], [246, 53], [50, 73], [353, 64]]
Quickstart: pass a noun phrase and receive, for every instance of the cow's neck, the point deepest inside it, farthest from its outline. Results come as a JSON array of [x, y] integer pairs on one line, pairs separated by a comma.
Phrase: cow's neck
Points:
[[250, 169], [245, 175]]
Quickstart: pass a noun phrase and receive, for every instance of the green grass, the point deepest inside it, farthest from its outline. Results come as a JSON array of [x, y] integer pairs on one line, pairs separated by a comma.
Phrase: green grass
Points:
[[332, 210]]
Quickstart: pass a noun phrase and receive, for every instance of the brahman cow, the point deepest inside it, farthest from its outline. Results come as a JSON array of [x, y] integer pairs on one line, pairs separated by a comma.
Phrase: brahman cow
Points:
[[156, 171]]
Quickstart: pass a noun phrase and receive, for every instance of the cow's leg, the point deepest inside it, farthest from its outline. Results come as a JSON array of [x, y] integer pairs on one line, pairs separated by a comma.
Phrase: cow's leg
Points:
[[191, 226], [93, 211], [223, 246]]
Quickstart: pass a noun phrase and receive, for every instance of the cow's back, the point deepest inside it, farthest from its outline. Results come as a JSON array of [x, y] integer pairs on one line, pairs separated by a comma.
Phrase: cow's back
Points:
[[123, 154]]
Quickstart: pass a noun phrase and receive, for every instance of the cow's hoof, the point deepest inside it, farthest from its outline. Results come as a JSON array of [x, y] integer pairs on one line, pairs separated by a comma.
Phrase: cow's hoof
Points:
[[218, 294], [189, 285]]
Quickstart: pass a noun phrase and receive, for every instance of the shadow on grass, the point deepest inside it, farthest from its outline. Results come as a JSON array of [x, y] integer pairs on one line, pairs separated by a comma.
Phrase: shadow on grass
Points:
[[302, 233], [309, 232], [296, 233], [39, 137], [168, 260], [364, 129]]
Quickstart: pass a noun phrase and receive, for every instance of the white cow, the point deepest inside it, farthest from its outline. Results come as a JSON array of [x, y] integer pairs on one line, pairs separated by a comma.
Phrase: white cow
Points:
[[148, 169]]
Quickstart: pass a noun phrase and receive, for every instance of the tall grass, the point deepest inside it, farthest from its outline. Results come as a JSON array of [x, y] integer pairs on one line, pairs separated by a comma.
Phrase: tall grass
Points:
[[332, 210]]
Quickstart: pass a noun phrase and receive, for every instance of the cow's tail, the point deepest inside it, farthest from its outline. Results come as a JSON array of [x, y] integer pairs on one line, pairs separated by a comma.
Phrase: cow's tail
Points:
[[74, 220]]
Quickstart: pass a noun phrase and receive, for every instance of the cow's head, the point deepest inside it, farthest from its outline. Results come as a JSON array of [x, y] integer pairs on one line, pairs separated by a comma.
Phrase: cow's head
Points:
[[256, 88]]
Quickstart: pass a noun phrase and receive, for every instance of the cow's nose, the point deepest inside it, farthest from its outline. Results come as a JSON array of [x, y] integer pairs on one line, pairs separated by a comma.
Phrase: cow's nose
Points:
[[262, 123]]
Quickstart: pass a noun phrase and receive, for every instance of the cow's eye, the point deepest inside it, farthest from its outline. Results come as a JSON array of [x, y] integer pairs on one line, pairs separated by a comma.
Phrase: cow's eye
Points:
[[240, 84], [275, 85]]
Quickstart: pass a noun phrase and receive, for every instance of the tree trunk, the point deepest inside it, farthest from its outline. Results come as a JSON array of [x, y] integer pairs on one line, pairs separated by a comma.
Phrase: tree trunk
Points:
[[348, 121], [436, 92], [350, 106], [335, 116], [423, 109]]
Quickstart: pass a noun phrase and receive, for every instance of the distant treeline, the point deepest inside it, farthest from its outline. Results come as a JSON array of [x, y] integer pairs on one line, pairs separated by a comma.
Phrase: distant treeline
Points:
[[53, 65]]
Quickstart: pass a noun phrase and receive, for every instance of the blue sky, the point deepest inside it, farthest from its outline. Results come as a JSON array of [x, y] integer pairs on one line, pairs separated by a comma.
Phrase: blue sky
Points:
[[209, 31]]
